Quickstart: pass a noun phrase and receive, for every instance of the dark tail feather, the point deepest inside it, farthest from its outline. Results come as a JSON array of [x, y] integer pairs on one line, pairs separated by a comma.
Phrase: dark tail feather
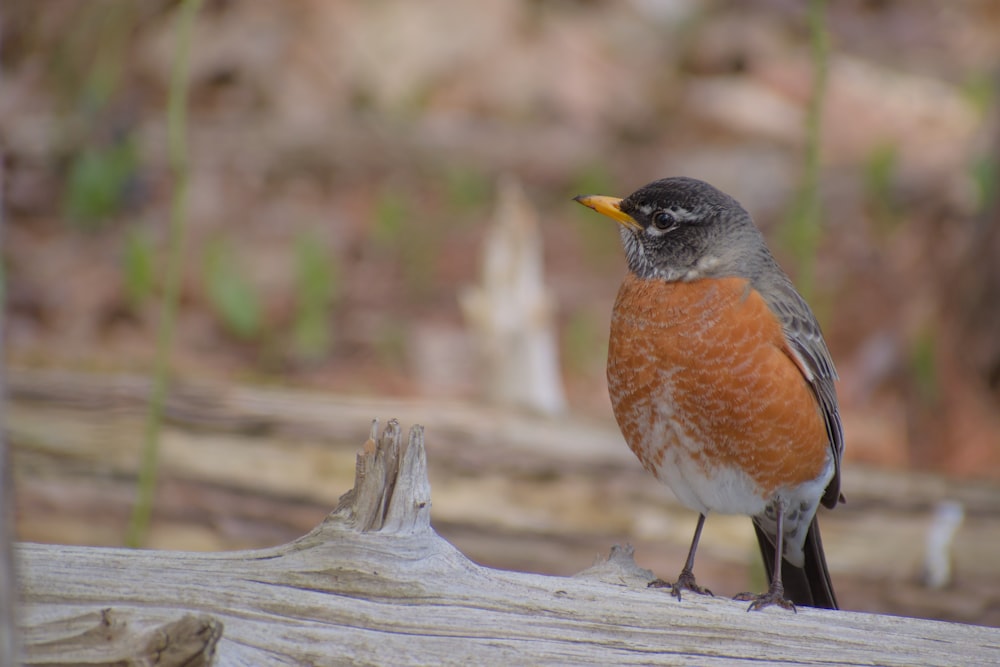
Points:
[[808, 585]]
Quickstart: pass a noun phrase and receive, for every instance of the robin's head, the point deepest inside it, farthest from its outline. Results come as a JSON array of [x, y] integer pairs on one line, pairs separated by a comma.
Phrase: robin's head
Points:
[[683, 229]]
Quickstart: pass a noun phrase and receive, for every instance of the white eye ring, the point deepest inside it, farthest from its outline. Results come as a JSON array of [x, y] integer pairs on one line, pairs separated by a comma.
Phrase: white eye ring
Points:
[[663, 221]]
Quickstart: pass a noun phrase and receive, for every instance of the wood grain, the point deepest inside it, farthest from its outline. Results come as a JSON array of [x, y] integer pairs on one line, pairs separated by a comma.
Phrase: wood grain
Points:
[[374, 584]]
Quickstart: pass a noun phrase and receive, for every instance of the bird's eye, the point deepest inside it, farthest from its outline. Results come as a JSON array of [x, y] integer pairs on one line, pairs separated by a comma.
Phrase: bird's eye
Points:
[[663, 221]]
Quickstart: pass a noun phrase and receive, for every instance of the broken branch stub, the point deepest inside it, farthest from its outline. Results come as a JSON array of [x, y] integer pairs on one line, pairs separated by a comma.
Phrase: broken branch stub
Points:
[[111, 636], [391, 491]]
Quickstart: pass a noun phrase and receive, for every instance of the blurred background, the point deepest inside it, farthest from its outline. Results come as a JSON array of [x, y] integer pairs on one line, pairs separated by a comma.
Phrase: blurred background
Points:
[[369, 178]]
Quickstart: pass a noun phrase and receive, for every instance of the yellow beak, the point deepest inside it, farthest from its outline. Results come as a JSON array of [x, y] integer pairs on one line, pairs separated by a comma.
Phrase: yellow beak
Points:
[[609, 206]]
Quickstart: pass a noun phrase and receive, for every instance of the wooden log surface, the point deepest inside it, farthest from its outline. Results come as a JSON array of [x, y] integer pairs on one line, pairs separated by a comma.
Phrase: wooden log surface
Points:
[[249, 467], [374, 584]]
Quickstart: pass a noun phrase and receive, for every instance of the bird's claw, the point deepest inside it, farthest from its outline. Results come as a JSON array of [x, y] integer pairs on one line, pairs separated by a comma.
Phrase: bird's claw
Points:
[[773, 596], [685, 582]]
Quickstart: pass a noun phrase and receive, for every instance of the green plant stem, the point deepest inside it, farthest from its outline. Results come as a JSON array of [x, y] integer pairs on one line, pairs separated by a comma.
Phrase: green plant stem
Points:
[[177, 146], [804, 225]]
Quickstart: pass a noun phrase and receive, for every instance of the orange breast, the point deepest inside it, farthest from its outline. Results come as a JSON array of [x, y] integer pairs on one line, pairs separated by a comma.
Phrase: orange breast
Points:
[[710, 358]]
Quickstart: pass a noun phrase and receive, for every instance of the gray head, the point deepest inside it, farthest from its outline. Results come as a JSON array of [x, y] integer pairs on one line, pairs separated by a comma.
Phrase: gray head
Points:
[[684, 229]]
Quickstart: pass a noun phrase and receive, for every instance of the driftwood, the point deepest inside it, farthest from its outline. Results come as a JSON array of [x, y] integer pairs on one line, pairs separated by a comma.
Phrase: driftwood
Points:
[[245, 467], [374, 584], [511, 314]]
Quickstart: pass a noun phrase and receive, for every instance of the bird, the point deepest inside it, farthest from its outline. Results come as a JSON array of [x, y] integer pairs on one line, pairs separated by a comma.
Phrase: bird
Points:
[[721, 381]]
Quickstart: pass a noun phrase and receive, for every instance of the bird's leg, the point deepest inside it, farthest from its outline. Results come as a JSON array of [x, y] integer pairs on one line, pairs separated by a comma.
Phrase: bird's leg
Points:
[[685, 581], [776, 591]]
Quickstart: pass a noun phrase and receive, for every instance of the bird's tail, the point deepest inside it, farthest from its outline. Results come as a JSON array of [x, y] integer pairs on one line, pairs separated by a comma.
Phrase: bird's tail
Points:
[[808, 585]]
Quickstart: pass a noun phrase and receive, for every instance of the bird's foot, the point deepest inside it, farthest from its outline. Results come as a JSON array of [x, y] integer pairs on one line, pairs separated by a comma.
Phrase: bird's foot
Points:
[[775, 595], [685, 582]]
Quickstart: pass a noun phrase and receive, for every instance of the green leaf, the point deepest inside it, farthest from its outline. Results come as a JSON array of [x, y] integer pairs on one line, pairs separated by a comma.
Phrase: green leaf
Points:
[[391, 210], [231, 294], [985, 175], [923, 364], [97, 182], [137, 266], [881, 166], [316, 286], [467, 189]]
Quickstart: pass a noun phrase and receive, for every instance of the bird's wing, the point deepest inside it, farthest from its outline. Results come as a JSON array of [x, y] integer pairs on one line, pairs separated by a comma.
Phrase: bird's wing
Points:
[[809, 351]]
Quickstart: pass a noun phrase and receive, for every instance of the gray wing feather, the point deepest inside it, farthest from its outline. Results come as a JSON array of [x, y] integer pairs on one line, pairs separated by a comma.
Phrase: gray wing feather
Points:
[[805, 338]]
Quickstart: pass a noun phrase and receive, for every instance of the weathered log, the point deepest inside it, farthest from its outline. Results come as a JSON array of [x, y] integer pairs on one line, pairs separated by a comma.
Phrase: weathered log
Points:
[[246, 467], [374, 584]]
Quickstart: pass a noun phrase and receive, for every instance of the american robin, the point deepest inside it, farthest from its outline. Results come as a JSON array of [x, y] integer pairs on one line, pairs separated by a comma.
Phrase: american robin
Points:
[[721, 381]]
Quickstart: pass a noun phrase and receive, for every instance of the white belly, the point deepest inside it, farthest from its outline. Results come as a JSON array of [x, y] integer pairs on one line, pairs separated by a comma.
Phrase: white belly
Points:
[[723, 490]]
